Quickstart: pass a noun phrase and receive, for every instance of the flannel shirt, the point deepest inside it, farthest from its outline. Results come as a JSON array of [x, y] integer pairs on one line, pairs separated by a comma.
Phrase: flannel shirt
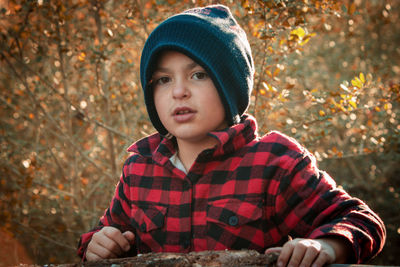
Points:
[[247, 192]]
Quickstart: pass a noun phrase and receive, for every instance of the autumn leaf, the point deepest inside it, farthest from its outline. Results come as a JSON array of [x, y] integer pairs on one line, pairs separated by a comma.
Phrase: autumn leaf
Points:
[[82, 56], [353, 104], [344, 87], [276, 72], [352, 8], [307, 38], [297, 34], [362, 78], [356, 82]]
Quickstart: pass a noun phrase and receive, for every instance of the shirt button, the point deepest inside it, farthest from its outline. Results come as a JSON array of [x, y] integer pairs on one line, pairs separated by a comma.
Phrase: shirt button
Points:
[[233, 220]]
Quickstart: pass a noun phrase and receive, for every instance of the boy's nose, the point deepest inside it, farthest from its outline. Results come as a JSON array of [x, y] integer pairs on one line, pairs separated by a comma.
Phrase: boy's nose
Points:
[[180, 90]]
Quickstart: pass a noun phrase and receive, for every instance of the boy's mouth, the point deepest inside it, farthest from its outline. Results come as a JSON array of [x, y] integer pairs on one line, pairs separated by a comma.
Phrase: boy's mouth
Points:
[[182, 111], [183, 114]]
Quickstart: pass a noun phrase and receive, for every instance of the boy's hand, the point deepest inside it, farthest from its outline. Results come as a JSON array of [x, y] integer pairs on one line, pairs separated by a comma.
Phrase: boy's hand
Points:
[[307, 252], [108, 243]]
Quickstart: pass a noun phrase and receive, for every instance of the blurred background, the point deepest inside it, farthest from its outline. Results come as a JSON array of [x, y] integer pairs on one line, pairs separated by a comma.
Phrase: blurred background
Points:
[[327, 74]]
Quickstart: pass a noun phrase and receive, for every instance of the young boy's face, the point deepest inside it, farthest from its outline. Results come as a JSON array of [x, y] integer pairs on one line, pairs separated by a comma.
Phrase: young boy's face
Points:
[[186, 99]]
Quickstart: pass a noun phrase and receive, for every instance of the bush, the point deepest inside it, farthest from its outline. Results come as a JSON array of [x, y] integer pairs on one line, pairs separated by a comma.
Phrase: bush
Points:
[[326, 73]]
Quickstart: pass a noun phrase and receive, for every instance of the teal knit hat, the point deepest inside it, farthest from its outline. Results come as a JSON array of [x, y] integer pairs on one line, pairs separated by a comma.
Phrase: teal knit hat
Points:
[[213, 39]]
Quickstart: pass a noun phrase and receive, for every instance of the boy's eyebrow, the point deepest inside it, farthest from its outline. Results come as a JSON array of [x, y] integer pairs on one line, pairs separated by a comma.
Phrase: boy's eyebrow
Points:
[[189, 66]]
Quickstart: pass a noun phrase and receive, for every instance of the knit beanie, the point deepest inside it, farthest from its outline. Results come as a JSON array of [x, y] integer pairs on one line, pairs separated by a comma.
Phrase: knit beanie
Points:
[[213, 39]]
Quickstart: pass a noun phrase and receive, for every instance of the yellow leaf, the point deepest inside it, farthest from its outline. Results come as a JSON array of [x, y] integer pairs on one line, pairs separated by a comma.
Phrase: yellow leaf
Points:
[[356, 82], [82, 56], [386, 106], [353, 104], [322, 113], [362, 77], [304, 41], [306, 38], [269, 88], [298, 32], [262, 92]]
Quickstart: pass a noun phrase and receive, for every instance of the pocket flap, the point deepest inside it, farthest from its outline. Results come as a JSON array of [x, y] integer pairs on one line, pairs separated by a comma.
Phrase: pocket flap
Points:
[[148, 217], [234, 212]]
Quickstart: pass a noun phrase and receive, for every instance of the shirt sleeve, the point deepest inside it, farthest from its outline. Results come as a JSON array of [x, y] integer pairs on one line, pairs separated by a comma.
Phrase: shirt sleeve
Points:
[[115, 215], [309, 204]]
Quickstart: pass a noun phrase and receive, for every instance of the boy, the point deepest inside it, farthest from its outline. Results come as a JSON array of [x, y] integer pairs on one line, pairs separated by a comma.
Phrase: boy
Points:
[[206, 181]]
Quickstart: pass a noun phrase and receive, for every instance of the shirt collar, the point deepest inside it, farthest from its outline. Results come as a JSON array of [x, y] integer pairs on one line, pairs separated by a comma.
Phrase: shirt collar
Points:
[[229, 140], [236, 136]]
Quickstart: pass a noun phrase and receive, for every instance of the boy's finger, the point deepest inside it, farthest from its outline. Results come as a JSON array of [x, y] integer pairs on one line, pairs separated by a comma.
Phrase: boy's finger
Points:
[[285, 254], [129, 235], [273, 250], [112, 246], [297, 255], [99, 252], [309, 256], [120, 241], [92, 256]]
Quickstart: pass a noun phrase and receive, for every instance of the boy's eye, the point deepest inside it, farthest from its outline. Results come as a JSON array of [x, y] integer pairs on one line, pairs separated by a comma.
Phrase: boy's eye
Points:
[[200, 75], [162, 80]]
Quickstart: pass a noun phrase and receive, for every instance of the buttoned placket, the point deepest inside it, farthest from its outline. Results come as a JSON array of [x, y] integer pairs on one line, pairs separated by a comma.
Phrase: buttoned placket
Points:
[[199, 220], [187, 196]]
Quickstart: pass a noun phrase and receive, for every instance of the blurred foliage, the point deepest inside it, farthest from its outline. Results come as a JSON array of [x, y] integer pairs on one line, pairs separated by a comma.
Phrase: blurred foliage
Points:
[[327, 73]]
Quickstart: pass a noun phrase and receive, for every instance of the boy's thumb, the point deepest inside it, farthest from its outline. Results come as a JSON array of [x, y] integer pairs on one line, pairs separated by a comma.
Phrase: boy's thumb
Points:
[[129, 235]]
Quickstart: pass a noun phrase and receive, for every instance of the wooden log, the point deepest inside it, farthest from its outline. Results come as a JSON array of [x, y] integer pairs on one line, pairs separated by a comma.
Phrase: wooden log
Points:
[[237, 258], [193, 259], [224, 258]]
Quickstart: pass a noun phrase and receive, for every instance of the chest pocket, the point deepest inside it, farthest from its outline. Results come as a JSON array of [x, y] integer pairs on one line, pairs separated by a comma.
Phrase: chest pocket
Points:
[[148, 217], [234, 212], [148, 221], [235, 224]]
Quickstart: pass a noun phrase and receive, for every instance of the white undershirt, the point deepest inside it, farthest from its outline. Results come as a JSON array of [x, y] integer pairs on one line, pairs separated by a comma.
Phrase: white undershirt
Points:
[[176, 161]]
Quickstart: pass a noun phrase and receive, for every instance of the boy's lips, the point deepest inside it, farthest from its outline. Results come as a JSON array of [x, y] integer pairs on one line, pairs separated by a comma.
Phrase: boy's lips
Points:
[[183, 114]]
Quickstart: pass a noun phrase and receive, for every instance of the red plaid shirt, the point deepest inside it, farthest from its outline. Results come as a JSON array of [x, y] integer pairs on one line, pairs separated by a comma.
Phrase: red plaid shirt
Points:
[[247, 192]]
